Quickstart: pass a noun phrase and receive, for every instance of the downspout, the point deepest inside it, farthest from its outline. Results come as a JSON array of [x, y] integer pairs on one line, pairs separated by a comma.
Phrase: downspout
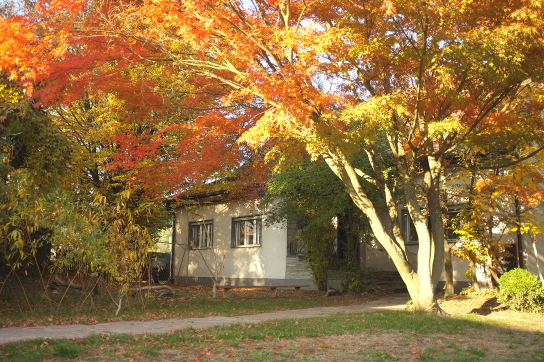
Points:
[[173, 251], [519, 241]]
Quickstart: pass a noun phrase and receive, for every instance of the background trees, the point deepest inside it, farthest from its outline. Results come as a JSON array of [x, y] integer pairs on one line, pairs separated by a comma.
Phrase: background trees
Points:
[[416, 79], [499, 201], [34, 155], [406, 83]]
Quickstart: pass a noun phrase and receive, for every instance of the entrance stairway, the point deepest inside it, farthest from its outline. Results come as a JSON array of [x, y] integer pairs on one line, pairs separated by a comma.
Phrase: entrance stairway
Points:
[[296, 269], [390, 281]]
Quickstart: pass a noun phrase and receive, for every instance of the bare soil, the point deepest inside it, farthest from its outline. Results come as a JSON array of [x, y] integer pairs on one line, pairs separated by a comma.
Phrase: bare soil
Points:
[[346, 298]]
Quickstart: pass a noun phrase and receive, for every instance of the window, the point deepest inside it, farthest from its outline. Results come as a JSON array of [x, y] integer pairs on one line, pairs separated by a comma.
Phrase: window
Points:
[[409, 230], [452, 223], [294, 248], [201, 234], [246, 231]]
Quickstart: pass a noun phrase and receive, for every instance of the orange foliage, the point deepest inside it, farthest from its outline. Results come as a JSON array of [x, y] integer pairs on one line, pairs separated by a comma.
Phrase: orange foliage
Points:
[[524, 182], [276, 71]]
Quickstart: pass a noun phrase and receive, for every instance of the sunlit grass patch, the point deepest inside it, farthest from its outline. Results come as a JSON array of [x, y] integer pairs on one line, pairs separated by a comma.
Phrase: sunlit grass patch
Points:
[[377, 336]]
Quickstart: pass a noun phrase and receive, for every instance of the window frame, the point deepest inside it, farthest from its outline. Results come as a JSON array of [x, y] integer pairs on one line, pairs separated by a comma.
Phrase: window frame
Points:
[[208, 235], [256, 222], [452, 213], [408, 228]]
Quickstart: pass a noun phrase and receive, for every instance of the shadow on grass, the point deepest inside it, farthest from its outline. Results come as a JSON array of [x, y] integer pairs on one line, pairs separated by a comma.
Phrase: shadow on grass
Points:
[[375, 336], [488, 307]]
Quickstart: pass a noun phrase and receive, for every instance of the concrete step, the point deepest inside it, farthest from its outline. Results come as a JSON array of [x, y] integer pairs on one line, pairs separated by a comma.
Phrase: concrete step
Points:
[[297, 269], [390, 281]]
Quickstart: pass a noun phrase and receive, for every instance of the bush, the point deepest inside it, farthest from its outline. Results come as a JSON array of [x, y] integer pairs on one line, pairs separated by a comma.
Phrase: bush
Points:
[[520, 290], [357, 277]]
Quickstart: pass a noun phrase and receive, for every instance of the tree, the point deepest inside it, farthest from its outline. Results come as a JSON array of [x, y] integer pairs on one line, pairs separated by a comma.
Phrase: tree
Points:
[[64, 52], [122, 121], [496, 199], [312, 197], [483, 221], [104, 221], [422, 78], [335, 78], [33, 158]]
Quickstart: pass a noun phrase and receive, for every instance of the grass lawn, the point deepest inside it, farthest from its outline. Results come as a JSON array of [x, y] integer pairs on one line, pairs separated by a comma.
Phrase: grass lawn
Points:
[[496, 335], [377, 336], [32, 306]]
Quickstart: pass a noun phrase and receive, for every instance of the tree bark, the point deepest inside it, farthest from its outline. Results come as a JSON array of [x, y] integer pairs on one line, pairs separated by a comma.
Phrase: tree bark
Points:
[[57, 281], [419, 281], [473, 276], [92, 286], [449, 291], [536, 258]]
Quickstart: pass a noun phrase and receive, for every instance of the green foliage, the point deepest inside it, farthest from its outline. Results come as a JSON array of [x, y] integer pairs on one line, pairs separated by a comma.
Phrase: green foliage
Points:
[[92, 218], [33, 158], [317, 242], [29, 142], [357, 277], [22, 231], [313, 196], [310, 189], [101, 238], [521, 290]]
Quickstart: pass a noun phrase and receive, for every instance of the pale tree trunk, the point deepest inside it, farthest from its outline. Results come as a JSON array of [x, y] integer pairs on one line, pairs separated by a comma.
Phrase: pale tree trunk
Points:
[[535, 249], [433, 180], [420, 284], [493, 269], [473, 276], [449, 291]]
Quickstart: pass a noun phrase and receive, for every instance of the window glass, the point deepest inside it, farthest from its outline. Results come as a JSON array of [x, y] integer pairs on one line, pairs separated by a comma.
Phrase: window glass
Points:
[[452, 224], [246, 231], [201, 234], [409, 230]]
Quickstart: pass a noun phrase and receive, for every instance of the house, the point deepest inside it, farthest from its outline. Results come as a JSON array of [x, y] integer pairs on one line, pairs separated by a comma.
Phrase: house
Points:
[[232, 242], [525, 252]]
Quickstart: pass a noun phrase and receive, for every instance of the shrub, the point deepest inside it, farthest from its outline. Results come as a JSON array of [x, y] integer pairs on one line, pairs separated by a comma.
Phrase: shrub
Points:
[[520, 290], [357, 277]]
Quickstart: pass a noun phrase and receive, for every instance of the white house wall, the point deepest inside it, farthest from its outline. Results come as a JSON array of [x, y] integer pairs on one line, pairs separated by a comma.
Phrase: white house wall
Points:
[[378, 259], [530, 257], [244, 265]]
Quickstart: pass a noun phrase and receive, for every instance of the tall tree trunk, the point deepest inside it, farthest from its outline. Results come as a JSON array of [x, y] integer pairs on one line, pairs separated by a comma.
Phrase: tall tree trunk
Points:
[[433, 182], [536, 258], [493, 269], [420, 283], [473, 275], [449, 291]]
